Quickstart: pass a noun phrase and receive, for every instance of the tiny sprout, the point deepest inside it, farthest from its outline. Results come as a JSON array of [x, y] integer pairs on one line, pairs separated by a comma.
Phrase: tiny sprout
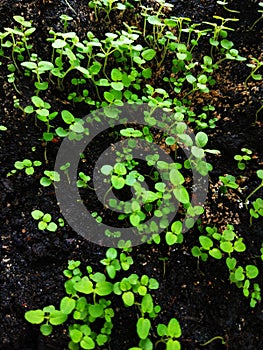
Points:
[[50, 178], [243, 159]]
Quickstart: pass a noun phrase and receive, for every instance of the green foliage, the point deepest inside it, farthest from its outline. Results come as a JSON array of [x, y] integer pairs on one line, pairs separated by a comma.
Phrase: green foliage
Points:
[[243, 159], [27, 165], [45, 221]]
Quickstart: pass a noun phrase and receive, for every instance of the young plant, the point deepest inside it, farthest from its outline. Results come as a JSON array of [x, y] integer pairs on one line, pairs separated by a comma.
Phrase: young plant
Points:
[[227, 181], [169, 334], [217, 244], [255, 66], [27, 165], [242, 278], [243, 159], [260, 176], [260, 18], [50, 179], [224, 3], [45, 222], [257, 209]]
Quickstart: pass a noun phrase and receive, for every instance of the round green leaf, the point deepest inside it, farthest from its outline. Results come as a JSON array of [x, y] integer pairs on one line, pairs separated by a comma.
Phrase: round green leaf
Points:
[[117, 86], [57, 317], [181, 194], [46, 329], [201, 139], [87, 343], [148, 54], [67, 117], [128, 298], [67, 305], [35, 316], [143, 327], [75, 335], [252, 271], [174, 329], [96, 310]]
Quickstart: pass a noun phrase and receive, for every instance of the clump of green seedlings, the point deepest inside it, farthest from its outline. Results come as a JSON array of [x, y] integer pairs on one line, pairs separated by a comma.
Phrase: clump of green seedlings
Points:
[[223, 246], [45, 221], [27, 165], [87, 305], [108, 72]]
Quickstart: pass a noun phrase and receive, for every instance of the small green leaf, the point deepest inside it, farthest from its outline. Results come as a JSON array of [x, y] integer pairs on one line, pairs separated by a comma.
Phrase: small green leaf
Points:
[[116, 74], [46, 329], [205, 242], [251, 271], [201, 139], [117, 86], [148, 54], [239, 275], [75, 335], [96, 310], [67, 305], [84, 286], [104, 288], [128, 298], [143, 327], [35, 316], [57, 317], [87, 343], [67, 117], [215, 253], [181, 194], [117, 182], [161, 329], [37, 214], [52, 227], [226, 247], [174, 329], [44, 181], [170, 238]]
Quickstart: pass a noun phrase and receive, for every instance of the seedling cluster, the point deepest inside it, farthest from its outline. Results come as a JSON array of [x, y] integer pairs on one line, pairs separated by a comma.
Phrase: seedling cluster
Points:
[[117, 69]]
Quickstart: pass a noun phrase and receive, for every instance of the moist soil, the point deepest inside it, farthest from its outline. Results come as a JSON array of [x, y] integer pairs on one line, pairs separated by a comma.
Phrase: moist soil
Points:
[[199, 295]]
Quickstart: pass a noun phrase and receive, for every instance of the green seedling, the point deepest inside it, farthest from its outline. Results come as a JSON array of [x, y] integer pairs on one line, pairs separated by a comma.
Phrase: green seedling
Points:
[[243, 159], [19, 40], [228, 181], [45, 222], [38, 68], [218, 337], [242, 278], [258, 111], [169, 334], [86, 304], [224, 3], [260, 18], [219, 31], [27, 165], [218, 244], [255, 66], [50, 179], [257, 209], [260, 176], [83, 180], [111, 262]]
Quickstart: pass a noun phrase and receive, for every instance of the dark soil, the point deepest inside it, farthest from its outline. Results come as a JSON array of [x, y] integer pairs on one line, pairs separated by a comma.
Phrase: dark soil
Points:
[[32, 262]]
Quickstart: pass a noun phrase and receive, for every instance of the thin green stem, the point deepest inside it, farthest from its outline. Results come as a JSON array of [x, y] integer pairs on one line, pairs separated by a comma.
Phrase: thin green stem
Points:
[[253, 192], [213, 339]]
